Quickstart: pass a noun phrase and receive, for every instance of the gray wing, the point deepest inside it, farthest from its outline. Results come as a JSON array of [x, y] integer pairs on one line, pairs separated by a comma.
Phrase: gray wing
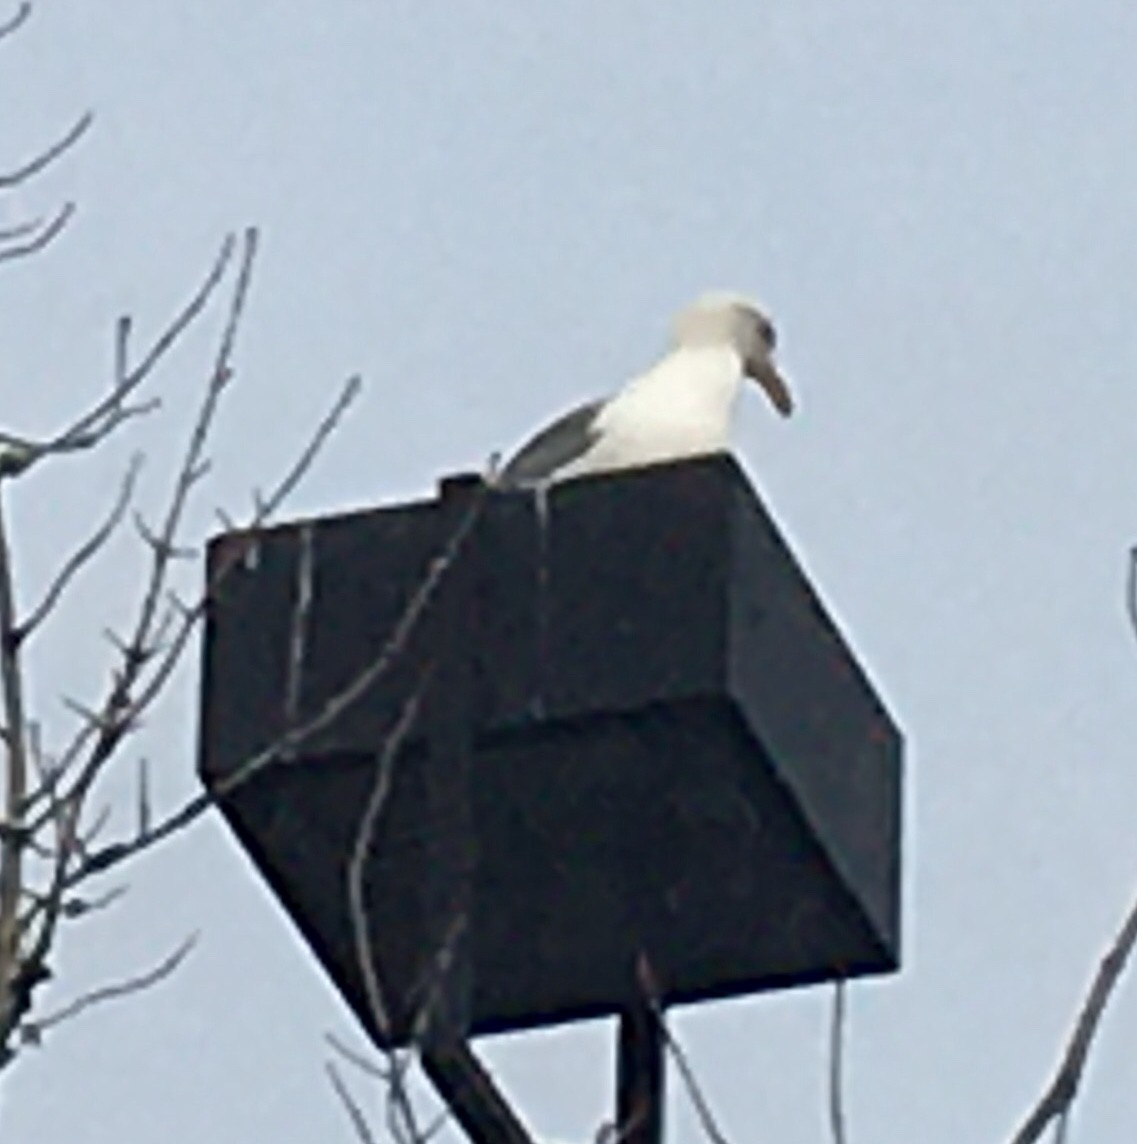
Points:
[[566, 439]]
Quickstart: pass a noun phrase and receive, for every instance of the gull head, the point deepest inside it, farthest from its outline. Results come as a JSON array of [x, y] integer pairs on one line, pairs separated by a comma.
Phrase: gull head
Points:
[[731, 320]]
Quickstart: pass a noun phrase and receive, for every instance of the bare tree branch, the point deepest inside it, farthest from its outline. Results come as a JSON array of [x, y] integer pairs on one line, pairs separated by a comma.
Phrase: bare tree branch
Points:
[[401, 1116], [357, 863], [27, 938], [355, 1113], [143, 799], [436, 1125], [13, 23], [42, 234], [19, 454], [694, 1090], [33, 1031], [1056, 1103], [292, 738], [650, 989], [837, 1064], [115, 717], [20, 229], [13, 838], [118, 714], [190, 616], [285, 488], [46, 157], [47, 776], [145, 656], [1131, 590], [382, 1074], [165, 546], [1059, 1096], [82, 555], [81, 907], [356, 1058]]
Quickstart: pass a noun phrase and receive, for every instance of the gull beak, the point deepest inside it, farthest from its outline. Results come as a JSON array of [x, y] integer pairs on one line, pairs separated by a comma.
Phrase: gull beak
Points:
[[765, 373]]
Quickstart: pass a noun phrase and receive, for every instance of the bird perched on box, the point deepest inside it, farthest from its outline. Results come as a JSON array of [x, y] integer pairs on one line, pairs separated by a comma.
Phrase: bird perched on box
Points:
[[681, 407]]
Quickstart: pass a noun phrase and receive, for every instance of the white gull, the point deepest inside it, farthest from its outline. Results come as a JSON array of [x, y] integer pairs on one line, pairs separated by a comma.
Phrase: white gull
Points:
[[681, 407]]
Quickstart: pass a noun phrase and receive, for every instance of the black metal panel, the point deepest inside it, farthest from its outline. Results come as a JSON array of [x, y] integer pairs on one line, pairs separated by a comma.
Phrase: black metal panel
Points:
[[672, 750], [637, 591], [806, 699]]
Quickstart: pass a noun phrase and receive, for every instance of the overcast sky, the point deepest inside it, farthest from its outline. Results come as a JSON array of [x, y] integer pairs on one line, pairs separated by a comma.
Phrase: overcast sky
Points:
[[490, 211]]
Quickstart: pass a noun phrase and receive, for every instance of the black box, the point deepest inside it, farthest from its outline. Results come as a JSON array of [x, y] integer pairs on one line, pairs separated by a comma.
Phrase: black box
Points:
[[671, 749]]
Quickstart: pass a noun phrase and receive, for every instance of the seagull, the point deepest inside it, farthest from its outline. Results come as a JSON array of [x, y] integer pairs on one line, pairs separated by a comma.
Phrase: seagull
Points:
[[681, 407]]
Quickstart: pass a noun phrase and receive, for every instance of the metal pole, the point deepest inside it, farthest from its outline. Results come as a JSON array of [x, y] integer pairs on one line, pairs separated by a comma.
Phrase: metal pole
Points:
[[472, 1096], [640, 1074]]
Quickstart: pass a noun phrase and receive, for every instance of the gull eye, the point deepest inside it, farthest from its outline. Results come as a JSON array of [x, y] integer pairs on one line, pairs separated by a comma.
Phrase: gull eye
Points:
[[766, 330]]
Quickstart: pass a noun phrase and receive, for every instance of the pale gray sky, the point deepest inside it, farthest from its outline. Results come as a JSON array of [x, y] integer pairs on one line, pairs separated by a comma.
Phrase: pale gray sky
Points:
[[490, 211]]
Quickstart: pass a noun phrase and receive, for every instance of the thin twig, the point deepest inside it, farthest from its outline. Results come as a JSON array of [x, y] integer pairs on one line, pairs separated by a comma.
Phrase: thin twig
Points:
[[82, 555], [837, 1064], [386, 1075], [143, 799], [356, 1058], [42, 235], [190, 615], [298, 637], [1059, 1096], [355, 1113], [351, 390], [1058, 1099], [694, 1090], [34, 1030], [81, 907], [46, 776], [91, 831], [361, 850], [401, 1116], [436, 1125], [383, 1075], [20, 229], [1131, 591], [165, 546], [46, 157], [19, 454], [650, 991], [12, 24], [402, 1120]]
